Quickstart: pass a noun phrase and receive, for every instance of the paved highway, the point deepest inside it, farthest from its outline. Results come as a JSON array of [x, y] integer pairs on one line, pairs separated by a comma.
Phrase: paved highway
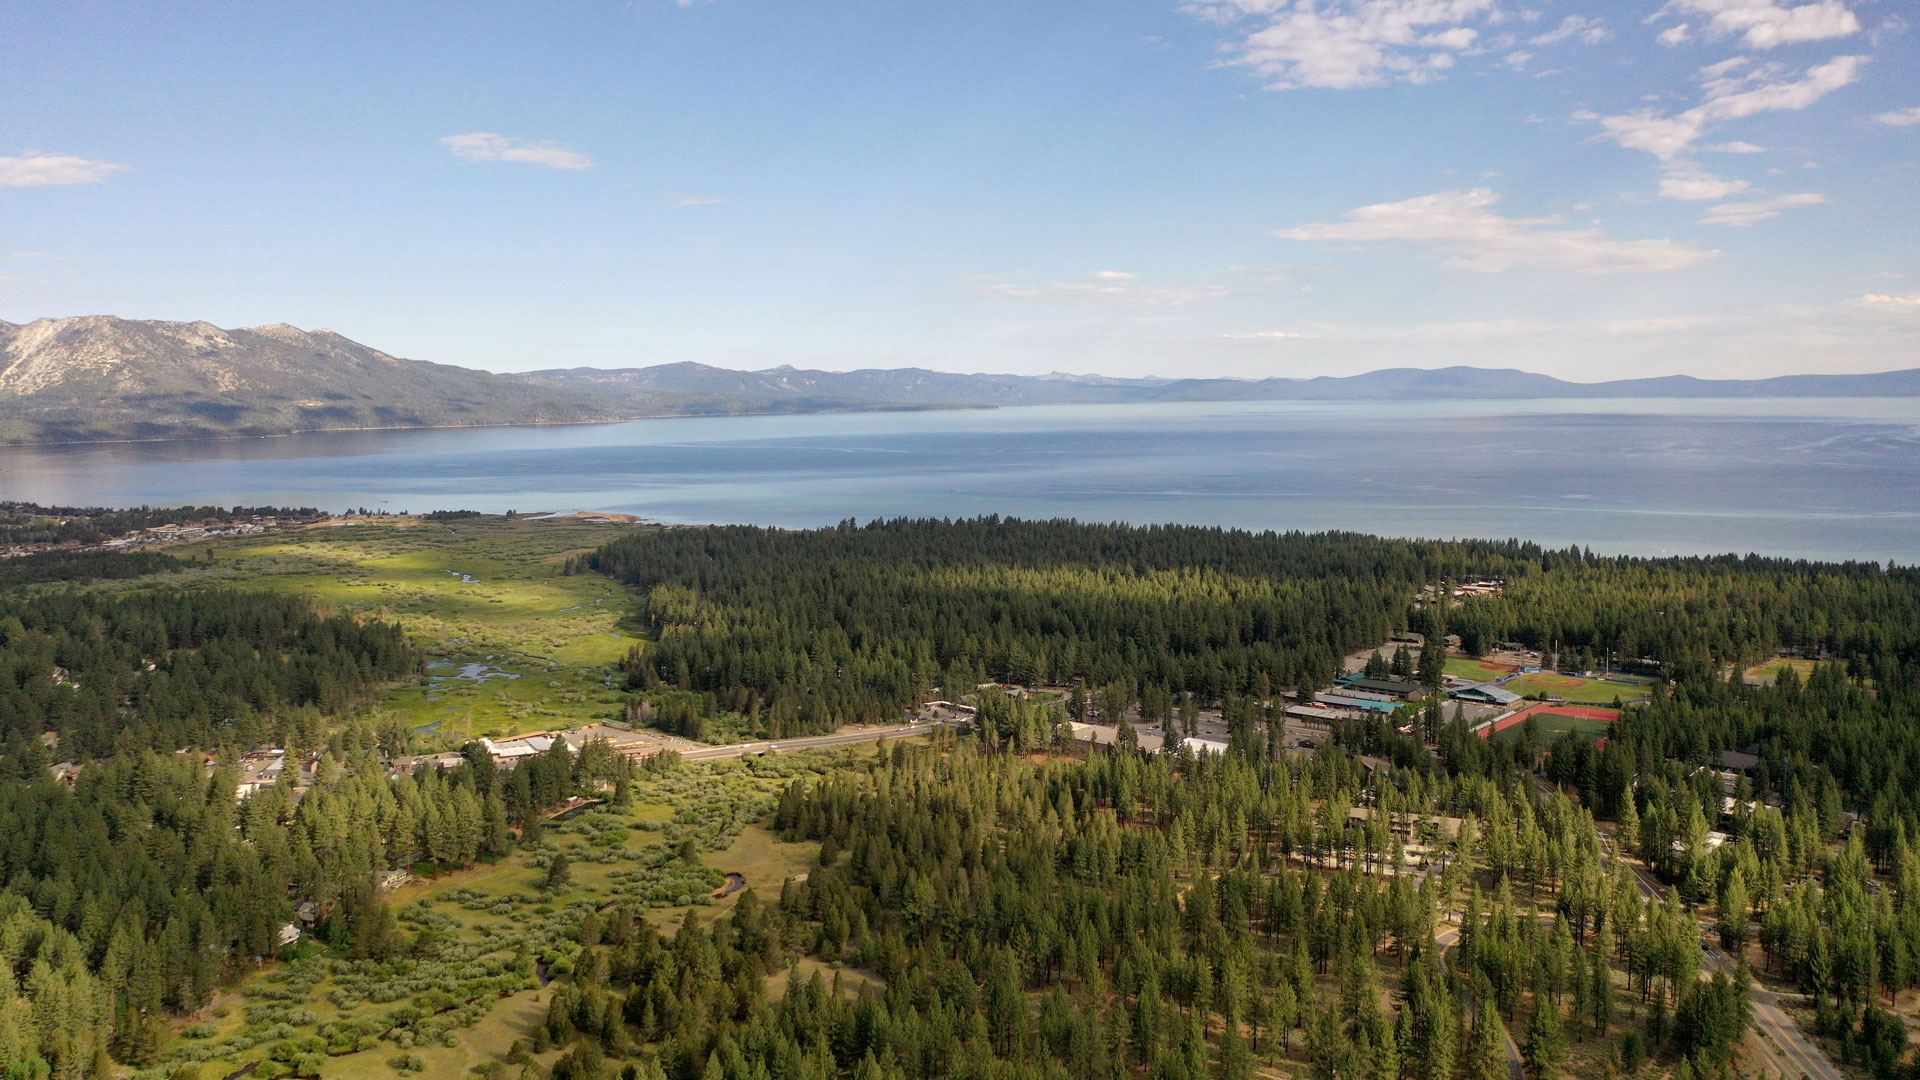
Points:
[[813, 742]]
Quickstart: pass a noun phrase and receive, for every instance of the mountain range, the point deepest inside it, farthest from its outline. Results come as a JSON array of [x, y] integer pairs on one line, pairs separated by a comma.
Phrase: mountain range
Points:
[[100, 377]]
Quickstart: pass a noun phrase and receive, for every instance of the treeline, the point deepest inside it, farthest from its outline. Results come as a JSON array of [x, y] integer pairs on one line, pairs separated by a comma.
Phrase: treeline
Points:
[[31, 523], [1695, 614], [146, 884], [165, 669], [72, 567], [805, 630], [1153, 916]]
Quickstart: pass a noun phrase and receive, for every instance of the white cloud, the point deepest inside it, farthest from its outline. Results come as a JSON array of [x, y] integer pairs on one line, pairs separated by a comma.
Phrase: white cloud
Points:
[[1341, 44], [1590, 31], [37, 168], [1270, 335], [488, 146], [1464, 226], [1764, 24], [1724, 68], [1728, 97], [1892, 302], [1676, 35], [1900, 117], [1516, 59], [1735, 147], [684, 201], [1725, 101], [1695, 184], [1114, 287], [1662, 136], [1742, 214]]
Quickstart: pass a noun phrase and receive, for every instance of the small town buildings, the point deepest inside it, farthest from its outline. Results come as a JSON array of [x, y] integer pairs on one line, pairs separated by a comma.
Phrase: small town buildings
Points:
[[1484, 694], [1323, 714], [1396, 688], [622, 739], [261, 769], [1349, 701], [1198, 747], [1406, 825]]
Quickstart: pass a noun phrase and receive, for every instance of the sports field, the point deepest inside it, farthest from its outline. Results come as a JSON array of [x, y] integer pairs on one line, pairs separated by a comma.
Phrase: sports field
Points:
[[1573, 688], [1553, 721], [1766, 674], [1466, 667]]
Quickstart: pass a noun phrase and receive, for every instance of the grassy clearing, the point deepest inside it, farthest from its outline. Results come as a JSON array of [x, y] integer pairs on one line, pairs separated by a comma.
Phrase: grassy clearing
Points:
[[764, 860], [852, 980], [487, 592]]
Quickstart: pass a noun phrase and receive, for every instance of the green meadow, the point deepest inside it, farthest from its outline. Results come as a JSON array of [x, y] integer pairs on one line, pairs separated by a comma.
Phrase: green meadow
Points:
[[515, 644]]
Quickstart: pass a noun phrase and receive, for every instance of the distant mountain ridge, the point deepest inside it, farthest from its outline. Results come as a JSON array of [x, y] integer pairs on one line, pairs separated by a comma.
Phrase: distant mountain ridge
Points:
[[921, 387], [99, 377]]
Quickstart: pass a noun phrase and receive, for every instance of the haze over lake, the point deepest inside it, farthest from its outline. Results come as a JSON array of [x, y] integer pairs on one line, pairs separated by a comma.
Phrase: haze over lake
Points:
[[1826, 478]]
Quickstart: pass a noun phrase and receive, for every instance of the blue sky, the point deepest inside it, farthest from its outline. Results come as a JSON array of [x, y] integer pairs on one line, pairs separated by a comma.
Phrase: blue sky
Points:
[[1225, 187]]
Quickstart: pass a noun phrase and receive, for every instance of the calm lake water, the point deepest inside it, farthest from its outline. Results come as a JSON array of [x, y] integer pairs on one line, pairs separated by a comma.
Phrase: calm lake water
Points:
[[1826, 478]]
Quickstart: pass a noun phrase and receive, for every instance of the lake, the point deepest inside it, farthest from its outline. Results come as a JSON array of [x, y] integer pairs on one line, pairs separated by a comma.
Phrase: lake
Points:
[[1819, 478]]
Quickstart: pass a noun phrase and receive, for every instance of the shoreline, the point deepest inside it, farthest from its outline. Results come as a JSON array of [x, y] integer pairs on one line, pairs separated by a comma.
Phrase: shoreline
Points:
[[6, 445]]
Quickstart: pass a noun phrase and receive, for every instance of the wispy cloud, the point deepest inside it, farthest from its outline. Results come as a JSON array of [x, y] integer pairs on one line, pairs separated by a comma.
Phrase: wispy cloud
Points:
[[1727, 96], [1899, 117], [37, 168], [1463, 225], [683, 201], [1742, 214], [1341, 44], [1893, 302], [1115, 287], [1590, 31], [1270, 335], [489, 146], [1762, 24], [1698, 185]]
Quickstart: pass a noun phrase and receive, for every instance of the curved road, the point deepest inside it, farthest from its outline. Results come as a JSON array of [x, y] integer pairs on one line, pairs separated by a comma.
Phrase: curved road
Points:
[[1787, 1048]]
